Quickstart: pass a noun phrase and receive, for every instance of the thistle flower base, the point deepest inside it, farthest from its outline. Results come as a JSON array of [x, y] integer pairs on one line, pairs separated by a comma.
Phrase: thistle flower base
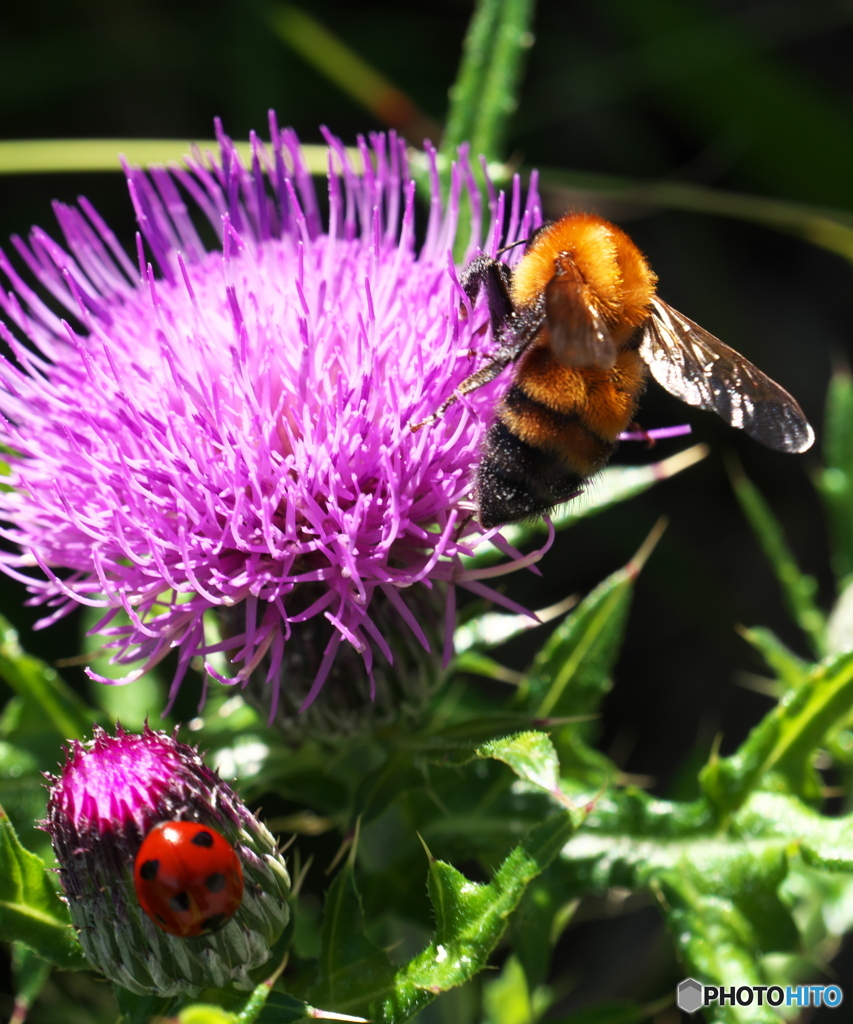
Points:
[[109, 795]]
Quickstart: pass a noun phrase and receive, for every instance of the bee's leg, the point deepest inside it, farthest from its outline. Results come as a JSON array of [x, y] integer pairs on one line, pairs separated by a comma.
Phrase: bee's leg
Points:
[[503, 357], [512, 332]]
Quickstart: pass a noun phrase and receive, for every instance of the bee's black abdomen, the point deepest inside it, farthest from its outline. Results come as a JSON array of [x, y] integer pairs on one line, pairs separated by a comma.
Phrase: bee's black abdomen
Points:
[[516, 481]]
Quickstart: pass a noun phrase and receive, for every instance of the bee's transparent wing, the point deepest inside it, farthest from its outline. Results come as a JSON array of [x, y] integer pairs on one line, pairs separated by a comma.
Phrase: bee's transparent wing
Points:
[[701, 370]]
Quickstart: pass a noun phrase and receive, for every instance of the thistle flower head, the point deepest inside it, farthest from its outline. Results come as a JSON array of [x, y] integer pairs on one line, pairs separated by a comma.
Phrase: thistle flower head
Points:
[[108, 796], [230, 430]]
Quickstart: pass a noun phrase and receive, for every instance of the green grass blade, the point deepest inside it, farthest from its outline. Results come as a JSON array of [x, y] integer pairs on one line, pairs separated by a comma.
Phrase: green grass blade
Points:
[[484, 95], [798, 588], [835, 481], [50, 156]]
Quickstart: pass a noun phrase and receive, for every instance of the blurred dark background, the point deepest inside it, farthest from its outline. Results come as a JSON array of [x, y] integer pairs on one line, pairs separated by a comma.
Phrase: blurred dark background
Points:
[[751, 97]]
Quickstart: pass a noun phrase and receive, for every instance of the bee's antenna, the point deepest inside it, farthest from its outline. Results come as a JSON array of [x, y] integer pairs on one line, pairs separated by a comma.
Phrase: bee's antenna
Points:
[[506, 248]]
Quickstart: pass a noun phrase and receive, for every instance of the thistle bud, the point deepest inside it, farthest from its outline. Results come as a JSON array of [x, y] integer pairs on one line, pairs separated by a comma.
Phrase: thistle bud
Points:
[[110, 794]]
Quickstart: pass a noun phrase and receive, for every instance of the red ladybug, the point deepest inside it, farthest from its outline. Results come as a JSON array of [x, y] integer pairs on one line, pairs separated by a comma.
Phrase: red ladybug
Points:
[[188, 878]]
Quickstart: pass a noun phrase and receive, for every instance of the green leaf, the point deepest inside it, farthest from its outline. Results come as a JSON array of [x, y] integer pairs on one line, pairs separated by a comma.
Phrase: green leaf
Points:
[[716, 943], [571, 674], [38, 683], [839, 628], [823, 842], [132, 705], [785, 739], [545, 910], [31, 912], [790, 670], [470, 920], [206, 1013], [531, 755], [494, 628], [351, 967], [31, 973], [482, 665], [507, 998], [484, 96], [835, 481], [798, 588]]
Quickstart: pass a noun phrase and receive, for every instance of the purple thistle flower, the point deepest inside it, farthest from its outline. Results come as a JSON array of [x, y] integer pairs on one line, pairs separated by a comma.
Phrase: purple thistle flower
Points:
[[107, 798], [232, 431]]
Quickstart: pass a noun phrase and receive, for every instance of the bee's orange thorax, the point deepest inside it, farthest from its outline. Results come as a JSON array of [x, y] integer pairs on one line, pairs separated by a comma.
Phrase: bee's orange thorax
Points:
[[619, 280]]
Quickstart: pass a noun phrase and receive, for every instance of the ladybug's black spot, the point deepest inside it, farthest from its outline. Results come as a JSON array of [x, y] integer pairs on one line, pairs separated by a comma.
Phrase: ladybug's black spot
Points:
[[180, 902], [215, 882], [202, 838], [148, 871], [213, 923]]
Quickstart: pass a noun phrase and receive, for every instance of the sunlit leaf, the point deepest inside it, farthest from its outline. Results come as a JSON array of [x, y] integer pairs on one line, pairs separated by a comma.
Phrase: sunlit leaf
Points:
[[531, 755], [790, 670], [786, 739], [31, 912]]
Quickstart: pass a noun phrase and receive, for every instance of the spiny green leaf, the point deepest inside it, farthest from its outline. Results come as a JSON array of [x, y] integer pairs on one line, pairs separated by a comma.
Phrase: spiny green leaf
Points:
[[823, 841], [785, 739], [716, 943], [531, 755], [798, 588], [38, 683], [30, 909], [494, 628], [470, 919], [790, 670]]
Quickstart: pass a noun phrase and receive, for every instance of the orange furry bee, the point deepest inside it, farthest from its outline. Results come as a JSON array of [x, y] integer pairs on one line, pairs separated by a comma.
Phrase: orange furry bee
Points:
[[580, 316]]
